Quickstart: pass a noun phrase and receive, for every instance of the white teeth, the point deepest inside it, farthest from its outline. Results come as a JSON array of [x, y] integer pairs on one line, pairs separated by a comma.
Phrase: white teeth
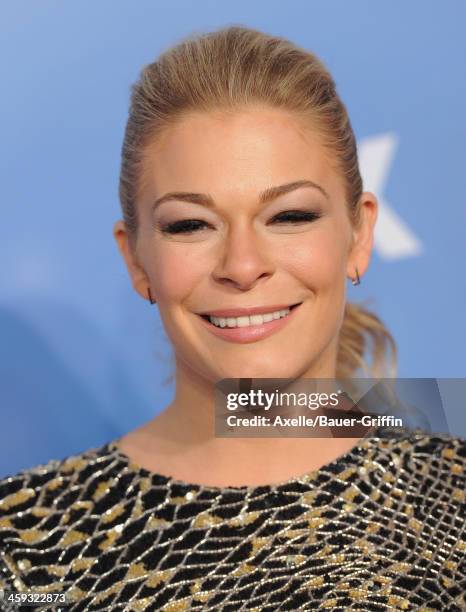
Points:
[[246, 321]]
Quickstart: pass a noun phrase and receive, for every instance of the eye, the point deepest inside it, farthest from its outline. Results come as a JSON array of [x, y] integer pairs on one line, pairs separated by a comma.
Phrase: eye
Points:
[[296, 216], [184, 227], [190, 226]]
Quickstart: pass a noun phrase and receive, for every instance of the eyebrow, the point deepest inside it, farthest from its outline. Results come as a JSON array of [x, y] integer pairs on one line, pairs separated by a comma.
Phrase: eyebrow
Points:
[[265, 196]]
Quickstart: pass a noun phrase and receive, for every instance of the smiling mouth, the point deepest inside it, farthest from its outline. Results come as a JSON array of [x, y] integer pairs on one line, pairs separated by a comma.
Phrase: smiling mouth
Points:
[[249, 320]]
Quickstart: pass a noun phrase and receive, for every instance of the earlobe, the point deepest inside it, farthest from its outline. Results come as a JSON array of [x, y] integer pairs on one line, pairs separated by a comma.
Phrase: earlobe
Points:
[[119, 233]]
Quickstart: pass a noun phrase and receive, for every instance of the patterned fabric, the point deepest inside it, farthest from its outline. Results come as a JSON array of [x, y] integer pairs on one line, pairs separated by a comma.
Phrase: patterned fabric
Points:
[[382, 527]]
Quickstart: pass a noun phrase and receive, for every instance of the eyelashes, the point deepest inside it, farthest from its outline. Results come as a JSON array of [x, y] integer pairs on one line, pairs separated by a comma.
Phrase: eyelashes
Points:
[[184, 227], [191, 226]]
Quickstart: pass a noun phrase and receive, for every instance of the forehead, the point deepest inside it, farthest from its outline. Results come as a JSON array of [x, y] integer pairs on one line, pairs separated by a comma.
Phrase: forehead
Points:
[[238, 151]]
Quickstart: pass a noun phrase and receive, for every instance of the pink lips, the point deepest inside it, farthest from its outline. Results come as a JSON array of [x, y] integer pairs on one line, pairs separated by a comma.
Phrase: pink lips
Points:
[[252, 333]]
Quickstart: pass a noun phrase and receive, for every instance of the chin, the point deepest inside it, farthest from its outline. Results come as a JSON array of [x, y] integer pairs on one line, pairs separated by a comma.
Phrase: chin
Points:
[[259, 370]]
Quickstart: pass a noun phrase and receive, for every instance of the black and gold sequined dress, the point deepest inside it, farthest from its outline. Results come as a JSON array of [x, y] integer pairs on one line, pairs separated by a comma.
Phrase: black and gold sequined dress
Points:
[[382, 527]]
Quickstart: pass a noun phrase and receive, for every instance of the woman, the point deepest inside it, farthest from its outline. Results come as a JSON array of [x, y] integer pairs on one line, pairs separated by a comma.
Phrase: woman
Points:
[[242, 197]]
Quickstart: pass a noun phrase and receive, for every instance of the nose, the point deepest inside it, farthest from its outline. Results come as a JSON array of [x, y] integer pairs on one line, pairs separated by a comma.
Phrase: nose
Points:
[[244, 260]]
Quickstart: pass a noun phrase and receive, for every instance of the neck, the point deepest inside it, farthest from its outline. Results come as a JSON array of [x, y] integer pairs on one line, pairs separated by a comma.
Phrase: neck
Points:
[[186, 429]]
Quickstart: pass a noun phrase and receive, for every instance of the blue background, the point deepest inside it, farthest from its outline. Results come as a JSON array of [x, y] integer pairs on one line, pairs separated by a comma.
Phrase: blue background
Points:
[[83, 358]]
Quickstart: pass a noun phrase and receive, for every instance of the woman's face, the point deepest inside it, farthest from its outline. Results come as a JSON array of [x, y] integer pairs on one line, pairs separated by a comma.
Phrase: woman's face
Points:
[[246, 249]]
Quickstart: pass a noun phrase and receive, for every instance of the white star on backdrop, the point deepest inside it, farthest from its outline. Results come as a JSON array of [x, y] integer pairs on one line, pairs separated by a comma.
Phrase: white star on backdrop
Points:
[[393, 239]]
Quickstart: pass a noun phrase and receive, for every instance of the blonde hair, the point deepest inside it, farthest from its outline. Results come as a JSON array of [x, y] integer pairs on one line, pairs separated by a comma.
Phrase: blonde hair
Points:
[[231, 68]]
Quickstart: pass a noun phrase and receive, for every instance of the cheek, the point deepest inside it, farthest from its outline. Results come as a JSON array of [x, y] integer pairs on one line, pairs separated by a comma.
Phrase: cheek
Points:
[[318, 261], [175, 272]]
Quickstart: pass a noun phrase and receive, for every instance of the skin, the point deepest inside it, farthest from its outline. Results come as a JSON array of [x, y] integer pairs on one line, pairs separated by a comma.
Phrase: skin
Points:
[[242, 258]]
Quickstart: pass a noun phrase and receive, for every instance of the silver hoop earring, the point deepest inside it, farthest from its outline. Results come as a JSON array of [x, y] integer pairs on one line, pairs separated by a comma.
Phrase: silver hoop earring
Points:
[[357, 280], [150, 296]]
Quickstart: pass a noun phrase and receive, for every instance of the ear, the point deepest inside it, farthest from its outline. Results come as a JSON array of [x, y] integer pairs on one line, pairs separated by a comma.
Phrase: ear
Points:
[[363, 236], [136, 272]]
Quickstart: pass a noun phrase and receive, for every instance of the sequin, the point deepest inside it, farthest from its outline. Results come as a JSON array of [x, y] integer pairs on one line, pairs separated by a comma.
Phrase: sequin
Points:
[[399, 602], [40, 512], [350, 493], [102, 489], [381, 527], [157, 523], [316, 581], [206, 520], [55, 483], [24, 564], [176, 606], [136, 570], [15, 499], [157, 578], [30, 536], [112, 513], [80, 564], [72, 537], [415, 524]]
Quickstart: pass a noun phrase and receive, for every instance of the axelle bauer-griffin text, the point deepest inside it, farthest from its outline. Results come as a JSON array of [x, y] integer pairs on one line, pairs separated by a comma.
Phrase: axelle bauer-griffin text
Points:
[[318, 421]]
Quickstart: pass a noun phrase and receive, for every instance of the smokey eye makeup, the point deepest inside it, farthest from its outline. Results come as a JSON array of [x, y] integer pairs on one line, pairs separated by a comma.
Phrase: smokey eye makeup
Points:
[[191, 226]]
